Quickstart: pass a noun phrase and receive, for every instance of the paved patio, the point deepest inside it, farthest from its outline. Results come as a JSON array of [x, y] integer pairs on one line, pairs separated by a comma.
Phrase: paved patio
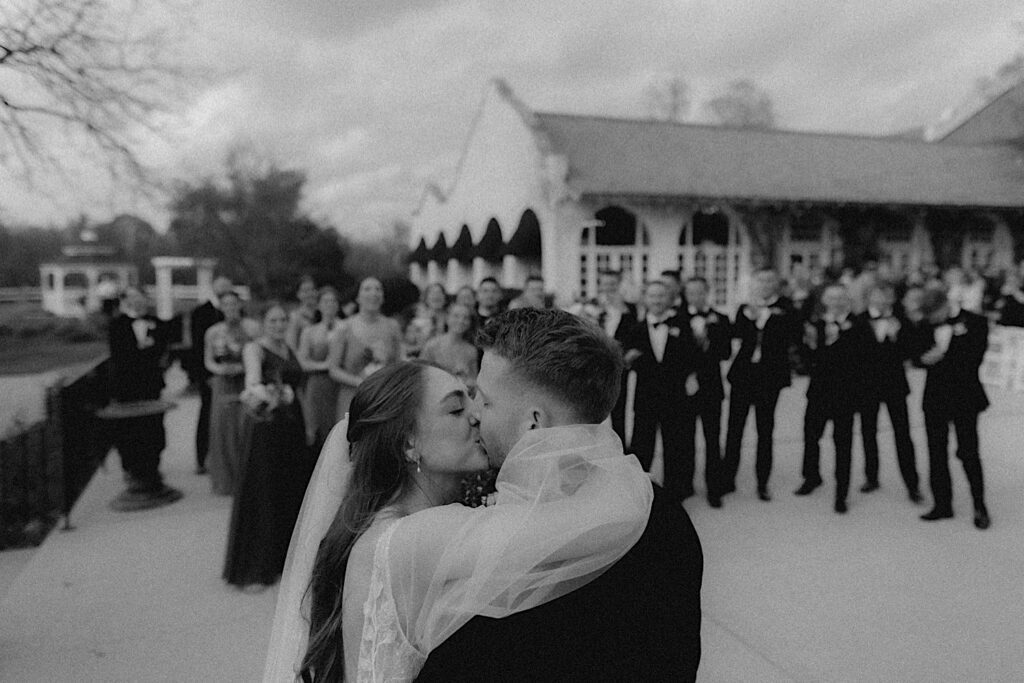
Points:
[[792, 591]]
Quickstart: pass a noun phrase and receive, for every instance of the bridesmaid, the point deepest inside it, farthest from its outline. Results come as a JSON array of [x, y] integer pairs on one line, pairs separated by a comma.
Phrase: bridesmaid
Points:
[[223, 345], [303, 315], [365, 343], [278, 464], [320, 394], [453, 351]]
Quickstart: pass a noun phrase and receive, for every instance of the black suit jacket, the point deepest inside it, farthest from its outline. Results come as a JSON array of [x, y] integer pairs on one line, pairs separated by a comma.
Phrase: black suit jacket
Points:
[[639, 621], [837, 370], [665, 380], [780, 336], [137, 373], [886, 376], [953, 385], [202, 318], [709, 358]]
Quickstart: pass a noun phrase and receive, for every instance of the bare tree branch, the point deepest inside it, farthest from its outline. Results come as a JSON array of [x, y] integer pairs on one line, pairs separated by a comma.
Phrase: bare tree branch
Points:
[[91, 73]]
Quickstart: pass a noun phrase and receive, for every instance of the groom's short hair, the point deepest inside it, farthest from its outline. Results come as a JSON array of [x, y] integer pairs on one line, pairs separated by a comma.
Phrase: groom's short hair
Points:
[[562, 354]]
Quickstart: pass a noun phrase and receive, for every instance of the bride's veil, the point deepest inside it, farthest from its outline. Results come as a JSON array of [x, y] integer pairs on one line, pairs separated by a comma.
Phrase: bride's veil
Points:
[[290, 634]]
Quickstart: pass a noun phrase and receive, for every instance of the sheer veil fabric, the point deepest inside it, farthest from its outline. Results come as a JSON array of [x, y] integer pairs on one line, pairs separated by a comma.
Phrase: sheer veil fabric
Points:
[[569, 505]]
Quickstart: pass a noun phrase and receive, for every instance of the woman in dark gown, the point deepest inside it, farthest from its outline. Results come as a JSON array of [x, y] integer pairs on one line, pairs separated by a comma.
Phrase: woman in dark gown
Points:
[[279, 464]]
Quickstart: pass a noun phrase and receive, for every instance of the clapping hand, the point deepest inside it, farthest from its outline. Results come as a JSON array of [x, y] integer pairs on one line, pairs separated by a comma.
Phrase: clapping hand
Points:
[[932, 356], [692, 385], [631, 355]]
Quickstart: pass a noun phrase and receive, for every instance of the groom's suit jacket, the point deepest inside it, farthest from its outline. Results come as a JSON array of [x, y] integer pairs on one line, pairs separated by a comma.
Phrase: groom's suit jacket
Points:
[[639, 621]]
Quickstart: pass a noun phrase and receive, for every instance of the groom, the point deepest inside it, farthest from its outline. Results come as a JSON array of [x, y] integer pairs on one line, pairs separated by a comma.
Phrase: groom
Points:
[[640, 620]]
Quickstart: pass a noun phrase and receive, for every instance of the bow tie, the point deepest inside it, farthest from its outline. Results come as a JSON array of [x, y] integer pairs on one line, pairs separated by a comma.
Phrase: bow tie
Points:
[[954, 320], [700, 314], [881, 317]]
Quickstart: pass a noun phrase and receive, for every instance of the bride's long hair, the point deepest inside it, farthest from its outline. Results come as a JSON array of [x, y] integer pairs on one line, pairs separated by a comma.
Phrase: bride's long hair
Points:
[[382, 418]]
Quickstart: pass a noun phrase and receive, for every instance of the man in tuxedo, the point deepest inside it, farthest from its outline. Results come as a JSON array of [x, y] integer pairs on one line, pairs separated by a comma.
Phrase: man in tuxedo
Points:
[[675, 289], [663, 353], [711, 332], [836, 347], [138, 353], [768, 331], [488, 300], [617, 318], [886, 382], [533, 295], [202, 318], [639, 620], [953, 395]]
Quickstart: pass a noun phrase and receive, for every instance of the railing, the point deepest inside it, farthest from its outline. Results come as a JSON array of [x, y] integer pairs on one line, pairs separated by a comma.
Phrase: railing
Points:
[[45, 467]]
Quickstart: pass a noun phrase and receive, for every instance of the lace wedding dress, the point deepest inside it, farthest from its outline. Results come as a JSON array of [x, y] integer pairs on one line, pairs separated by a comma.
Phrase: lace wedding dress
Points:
[[385, 654]]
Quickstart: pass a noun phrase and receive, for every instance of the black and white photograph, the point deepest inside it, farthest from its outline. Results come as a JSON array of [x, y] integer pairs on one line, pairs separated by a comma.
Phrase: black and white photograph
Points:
[[511, 341]]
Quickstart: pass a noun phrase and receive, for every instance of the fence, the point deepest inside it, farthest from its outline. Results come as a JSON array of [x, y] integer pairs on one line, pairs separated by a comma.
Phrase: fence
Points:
[[45, 467]]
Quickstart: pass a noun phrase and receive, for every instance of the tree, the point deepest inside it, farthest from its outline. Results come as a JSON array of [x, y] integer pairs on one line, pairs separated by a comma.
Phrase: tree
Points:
[[668, 98], [743, 104], [1011, 69], [251, 223], [95, 71], [21, 252]]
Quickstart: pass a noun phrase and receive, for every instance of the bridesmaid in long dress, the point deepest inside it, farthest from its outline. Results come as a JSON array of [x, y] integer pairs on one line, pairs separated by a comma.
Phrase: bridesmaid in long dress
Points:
[[223, 358], [303, 315], [320, 394], [278, 466], [363, 344], [452, 350]]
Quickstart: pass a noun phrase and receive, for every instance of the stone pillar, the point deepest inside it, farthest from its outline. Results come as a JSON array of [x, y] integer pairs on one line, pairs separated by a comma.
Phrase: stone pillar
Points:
[[1002, 244], [921, 251], [164, 292], [204, 279], [92, 277]]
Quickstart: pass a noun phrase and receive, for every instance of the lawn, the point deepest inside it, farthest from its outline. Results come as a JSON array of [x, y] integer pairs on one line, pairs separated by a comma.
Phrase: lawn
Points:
[[30, 356]]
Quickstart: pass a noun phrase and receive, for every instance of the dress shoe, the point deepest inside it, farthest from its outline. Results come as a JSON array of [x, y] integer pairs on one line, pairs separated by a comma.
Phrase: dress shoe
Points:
[[937, 514], [807, 487], [868, 487], [981, 518], [763, 494], [728, 488], [714, 501], [201, 470], [687, 493], [840, 507], [915, 497]]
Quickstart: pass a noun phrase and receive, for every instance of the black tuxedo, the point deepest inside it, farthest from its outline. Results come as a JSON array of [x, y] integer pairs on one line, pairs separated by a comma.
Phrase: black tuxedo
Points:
[[622, 332], [660, 400], [639, 621], [203, 317], [715, 347], [953, 394], [137, 374], [761, 369], [837, 364], [885, 381]]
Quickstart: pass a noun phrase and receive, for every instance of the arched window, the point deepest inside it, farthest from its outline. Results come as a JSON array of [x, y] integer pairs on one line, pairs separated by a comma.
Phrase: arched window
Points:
[[76, 280], [490, 246], [710, 247], [614, 240]]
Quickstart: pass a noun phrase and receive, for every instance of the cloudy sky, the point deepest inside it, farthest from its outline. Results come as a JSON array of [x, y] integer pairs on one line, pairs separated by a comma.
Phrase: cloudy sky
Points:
[[374, 98]]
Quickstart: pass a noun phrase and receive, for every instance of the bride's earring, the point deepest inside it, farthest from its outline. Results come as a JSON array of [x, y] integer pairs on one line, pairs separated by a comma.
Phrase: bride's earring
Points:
[[411, 456]]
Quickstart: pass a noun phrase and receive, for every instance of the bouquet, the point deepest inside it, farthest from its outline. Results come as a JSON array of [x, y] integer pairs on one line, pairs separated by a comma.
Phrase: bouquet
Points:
[[478, 489], [262, 400]]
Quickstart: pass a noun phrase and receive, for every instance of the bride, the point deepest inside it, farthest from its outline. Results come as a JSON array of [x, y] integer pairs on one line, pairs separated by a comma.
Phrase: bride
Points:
[[383, 568]]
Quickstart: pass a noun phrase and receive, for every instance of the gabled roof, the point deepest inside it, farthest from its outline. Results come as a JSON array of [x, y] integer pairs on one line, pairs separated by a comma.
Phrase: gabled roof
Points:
[[651, 158]]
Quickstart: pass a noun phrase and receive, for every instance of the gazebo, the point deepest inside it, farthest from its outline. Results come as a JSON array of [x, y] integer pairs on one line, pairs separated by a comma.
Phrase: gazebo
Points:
[[71, 285]]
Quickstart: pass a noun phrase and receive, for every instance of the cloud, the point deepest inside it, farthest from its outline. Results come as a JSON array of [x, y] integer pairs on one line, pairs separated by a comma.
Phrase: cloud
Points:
[[375, 99]]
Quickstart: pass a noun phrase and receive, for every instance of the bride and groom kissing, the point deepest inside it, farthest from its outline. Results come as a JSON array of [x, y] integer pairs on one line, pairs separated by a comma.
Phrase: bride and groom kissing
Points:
[[577, 569]]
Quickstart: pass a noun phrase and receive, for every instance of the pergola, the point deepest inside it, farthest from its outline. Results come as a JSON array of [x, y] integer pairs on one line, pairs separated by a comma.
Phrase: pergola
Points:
[[70, 285]]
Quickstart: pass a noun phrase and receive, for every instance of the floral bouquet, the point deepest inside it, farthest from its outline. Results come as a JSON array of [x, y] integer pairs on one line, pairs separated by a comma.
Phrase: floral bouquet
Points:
[[262, 400], [373, 362], [478, 489]]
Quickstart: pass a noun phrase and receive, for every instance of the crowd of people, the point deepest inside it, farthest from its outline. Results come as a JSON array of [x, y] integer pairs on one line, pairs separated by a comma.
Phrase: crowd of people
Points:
[[272, 389]]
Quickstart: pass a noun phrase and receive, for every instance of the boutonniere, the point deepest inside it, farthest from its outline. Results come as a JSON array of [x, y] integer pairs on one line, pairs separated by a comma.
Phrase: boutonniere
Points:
[[712, 318], [775, 310], [959, 329], [674, 331], [845, 325]]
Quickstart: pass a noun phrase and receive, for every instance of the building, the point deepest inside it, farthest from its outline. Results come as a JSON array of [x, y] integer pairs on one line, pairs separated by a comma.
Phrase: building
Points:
[[567, 196]]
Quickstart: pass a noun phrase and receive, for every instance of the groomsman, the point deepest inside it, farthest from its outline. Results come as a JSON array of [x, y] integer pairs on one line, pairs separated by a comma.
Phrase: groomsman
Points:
[[711, 331], [618, 318], [953, 395], [202, 318], [662, 352], [835, 346], [886, 382], [768, 331]]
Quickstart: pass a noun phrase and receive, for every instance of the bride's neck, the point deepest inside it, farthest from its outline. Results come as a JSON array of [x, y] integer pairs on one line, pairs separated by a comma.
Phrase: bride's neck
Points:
[[429, 490]]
